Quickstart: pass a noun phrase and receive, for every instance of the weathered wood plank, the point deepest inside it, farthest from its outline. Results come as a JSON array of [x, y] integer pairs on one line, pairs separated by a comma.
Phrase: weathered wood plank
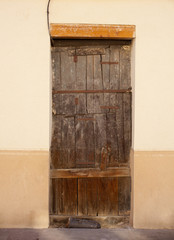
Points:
[[70, 196], [92, 192], [89, 173], [120, 129], [112, 141], [95, 100], [114, 68], [56, 142], [100, 136], [90, 72], [107, 196], [105, 222], [85, 150], [82, 197], [92, 31], [103, 196], [127, 125], [125, 67], [113, 197], [124, 187], [81, 73], [65, 196], [56, 64], [57, 191], [105, 79], [94, 91], [86, 51], [80, 102], [68, 142], [68, 73]]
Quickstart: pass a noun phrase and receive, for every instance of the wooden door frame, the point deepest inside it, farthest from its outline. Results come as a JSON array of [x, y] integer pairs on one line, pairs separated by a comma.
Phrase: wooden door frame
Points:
[[94, 31]]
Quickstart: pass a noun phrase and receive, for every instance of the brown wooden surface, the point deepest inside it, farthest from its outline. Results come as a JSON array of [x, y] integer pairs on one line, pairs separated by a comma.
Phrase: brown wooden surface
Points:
[[92, 31], [98, 90], [124, 188], [91, 130], [64, 196], [90, 173], [91, 196]]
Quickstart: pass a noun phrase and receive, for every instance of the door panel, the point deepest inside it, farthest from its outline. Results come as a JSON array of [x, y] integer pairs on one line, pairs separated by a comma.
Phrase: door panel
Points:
[[91, 130]]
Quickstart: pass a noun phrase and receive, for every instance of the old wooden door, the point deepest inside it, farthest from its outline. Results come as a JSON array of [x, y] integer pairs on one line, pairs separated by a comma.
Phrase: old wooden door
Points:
[[91, 130]]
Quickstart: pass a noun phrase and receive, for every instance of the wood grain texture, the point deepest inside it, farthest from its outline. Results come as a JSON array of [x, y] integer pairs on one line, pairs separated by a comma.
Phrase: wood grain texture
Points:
[[64, 196], [92, 31], [124, 188], [89, 173], [108, 196], [91, 130]]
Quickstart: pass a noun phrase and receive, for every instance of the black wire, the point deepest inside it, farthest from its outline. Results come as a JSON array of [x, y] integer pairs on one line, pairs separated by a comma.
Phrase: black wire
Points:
[[48, 21]]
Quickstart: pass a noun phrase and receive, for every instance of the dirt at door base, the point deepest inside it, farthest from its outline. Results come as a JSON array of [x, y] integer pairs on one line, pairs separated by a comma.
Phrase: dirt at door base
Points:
[[104, 222]]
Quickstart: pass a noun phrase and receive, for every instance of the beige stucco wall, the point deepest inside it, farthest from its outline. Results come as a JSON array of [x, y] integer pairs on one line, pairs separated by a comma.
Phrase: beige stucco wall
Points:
[[24, 189], [25, 104], [153, 190]]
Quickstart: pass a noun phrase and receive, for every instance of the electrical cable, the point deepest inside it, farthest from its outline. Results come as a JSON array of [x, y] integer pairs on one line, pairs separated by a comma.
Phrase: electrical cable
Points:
[[48, 21]]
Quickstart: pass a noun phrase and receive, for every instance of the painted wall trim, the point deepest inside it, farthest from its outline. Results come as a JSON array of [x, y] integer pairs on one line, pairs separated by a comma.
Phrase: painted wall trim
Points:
[[24, 189], [93, 31], [152, 189]]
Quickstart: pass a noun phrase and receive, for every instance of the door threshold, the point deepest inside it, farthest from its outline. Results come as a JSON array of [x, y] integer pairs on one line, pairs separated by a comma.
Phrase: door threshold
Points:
[[58, 221]]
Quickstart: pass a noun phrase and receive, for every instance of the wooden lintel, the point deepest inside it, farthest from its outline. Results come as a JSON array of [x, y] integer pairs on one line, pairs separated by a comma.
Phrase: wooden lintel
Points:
[[89, 173], [92, 31]]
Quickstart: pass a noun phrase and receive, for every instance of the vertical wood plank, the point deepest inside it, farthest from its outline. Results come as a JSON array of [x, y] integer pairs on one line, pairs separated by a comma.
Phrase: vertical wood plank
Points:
[[81, 102], [113, 196], [100, 136], [120, 129], [54, 196], [98, 81], [68, 142], [103, 197], [105, 69], [68, 106], [107, 196], [56, 142], [127, 125], [70, 196], [85, 149], [68, 71], [56, 65], [90, 72], [125, 66], [92, 193], [114, 68], [82, 197], [81, 73], [112, 141], [124, 195]]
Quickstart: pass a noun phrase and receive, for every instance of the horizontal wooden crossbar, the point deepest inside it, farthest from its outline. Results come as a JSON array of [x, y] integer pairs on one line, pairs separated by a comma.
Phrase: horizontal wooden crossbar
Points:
[[92, 31], [93, 91], [89, 173]]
